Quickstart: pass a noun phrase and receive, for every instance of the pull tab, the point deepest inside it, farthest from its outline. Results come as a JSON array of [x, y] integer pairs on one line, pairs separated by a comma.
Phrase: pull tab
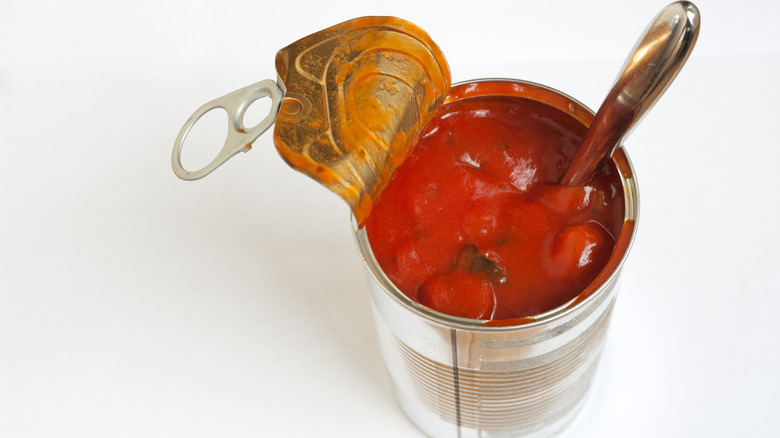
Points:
[[239, 138]]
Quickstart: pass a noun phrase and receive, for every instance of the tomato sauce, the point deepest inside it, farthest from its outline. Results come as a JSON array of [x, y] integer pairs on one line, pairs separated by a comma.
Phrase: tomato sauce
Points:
[[473, 224]]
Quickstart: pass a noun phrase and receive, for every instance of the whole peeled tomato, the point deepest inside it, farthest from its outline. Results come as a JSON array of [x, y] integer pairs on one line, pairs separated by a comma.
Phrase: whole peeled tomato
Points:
[[459, 293], [580, 251]]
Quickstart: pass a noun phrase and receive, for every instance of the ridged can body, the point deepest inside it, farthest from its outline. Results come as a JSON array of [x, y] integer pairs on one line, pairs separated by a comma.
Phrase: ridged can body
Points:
[[457, 377]]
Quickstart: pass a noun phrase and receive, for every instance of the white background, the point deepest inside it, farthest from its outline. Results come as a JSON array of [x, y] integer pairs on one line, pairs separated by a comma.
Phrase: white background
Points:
[[133, 304]]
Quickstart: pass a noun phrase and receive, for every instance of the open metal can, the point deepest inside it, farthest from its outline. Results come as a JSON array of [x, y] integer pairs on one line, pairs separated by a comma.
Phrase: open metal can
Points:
[[459, 377]]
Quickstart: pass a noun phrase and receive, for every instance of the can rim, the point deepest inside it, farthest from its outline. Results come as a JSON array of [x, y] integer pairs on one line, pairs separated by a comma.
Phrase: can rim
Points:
[[591, 292]]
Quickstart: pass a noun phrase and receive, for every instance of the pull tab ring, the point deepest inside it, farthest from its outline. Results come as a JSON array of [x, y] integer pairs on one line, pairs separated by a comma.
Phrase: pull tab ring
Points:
[[239, 139]]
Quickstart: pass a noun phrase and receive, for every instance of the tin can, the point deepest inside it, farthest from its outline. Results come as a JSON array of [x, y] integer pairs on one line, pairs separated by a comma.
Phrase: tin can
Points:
[[458, 377]]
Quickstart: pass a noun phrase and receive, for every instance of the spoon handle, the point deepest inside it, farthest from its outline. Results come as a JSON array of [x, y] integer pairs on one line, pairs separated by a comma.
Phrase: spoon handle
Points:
[[658, 56]]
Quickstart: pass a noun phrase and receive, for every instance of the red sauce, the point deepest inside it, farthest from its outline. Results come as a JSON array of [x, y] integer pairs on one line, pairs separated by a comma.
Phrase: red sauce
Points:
[[473, 223]]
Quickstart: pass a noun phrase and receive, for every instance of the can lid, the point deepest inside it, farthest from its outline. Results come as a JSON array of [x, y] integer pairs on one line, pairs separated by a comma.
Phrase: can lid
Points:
[[357, 95], [349, 105]]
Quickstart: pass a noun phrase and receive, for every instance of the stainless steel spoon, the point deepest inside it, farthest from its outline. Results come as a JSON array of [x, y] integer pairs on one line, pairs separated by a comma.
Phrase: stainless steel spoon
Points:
[[658, 56]]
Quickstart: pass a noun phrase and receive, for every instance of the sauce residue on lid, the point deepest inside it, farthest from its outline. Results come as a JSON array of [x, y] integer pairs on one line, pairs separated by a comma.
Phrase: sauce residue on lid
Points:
[[357, 95]]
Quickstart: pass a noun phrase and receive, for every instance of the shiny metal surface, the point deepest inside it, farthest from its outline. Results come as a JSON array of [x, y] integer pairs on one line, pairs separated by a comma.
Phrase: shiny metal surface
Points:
[[457, 377], [239, 137], [657, 58]]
